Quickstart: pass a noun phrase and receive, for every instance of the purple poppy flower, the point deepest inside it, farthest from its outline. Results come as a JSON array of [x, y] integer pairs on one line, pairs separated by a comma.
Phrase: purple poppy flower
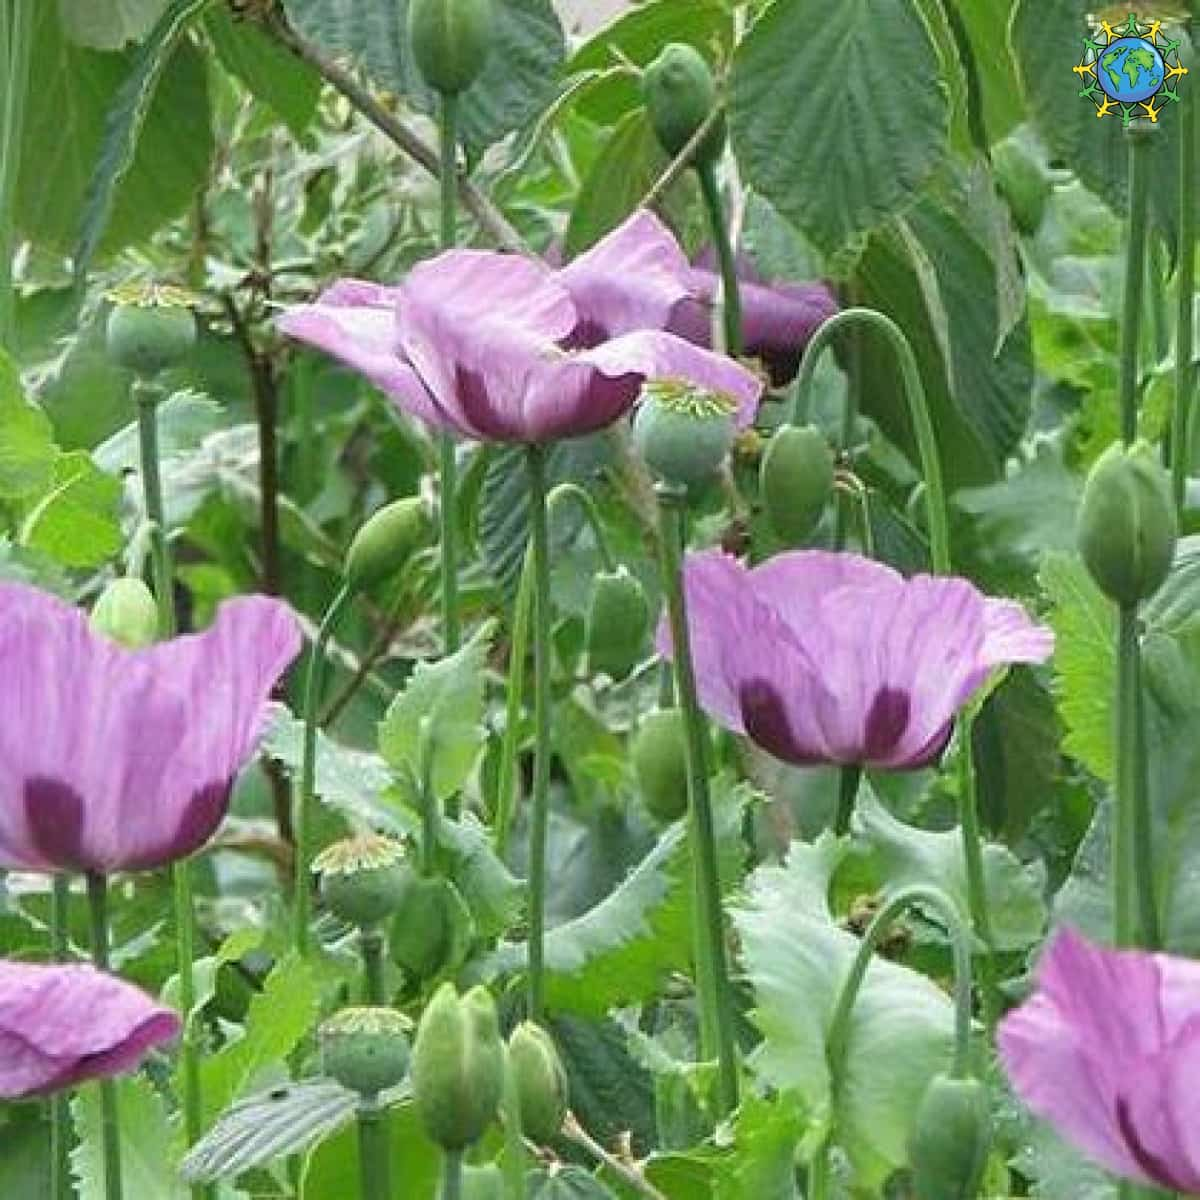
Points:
[[1107, 1050], [500, 348], [118, 759], [833, 658], [62, 1025]]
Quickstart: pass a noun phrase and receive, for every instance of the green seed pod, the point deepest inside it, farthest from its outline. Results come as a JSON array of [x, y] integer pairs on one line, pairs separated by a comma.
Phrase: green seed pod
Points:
[[617, 623], [450, 41], [458, 1066], [150, 328], [796, 480], [432, 928], [365, 1049], [385, 541], [682, 432], [680, 92], [126, 612], [542, 1087], [1127, 525], [1022, 183], [362, 879], [659, 756], [951, 1136]]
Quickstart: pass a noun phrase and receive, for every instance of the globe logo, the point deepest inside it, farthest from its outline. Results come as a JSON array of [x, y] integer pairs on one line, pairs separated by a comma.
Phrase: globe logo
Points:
[[1131, 71]]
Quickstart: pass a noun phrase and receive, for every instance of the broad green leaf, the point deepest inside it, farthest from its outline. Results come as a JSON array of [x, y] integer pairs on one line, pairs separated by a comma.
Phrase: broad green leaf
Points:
[[184, 419], [151, 1146], [494, 895], [109, 24], [837, 114], [27, 450], [901, 1030], [440, 713], [77, 520], [567, 1183], [904, 855], [986, 28]]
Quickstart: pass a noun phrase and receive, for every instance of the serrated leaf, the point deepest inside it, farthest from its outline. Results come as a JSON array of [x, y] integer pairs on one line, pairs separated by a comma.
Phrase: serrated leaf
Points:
[[109, 24], [204, 970], [256, 1131], [493, 894], [184, 420], [27, 450], [440, 712], [77, 520]]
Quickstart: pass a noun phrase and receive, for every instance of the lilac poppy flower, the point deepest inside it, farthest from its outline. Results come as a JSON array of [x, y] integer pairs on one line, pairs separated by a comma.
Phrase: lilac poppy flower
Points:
[[833, 658], [118, 759], [1107, 1050], [499, 348], [62, 1025]]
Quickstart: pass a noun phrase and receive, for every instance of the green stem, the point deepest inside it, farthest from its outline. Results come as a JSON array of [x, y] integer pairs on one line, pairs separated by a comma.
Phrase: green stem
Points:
[[1185, 320], [110, 1121], [849, 778], [713, 969], [370, 946], [540, 812], [147, 396], [16, 45], [308, 773], [431, 810], [1135, 273], [850, 412], [1143, 825], [60, 1116], [839, 1026], [562, 492], [731, 301], [918, 411], [374, 1151], [452, 1175]]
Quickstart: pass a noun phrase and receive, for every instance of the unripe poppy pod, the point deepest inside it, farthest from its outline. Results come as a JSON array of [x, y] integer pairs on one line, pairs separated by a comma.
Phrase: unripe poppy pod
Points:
[[149, 329], [683, 433], [796, 479], [365, 1049], [450, 41], [951, 1138], [680, 93], [362, 879]]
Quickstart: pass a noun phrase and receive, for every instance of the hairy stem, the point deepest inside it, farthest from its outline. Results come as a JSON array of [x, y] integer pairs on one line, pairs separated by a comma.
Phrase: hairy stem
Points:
[[60, 1116], [972, 844], [452, 1175], [374, 1151], [110, 1117], [16, 44], [731, 301], [370, 946]]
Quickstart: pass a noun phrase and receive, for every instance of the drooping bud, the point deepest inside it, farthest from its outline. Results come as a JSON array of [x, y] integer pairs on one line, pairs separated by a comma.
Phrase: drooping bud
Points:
[[432, 929], [150, 328], [680, 93], [659, 756], [796, 481], [366, 1049], [543, 1090], [951, 1137], [458, 1066], [385, 541], [1127, 525], [683, 432], [362, 878], [617, 623], [125, 611], [450, 41]]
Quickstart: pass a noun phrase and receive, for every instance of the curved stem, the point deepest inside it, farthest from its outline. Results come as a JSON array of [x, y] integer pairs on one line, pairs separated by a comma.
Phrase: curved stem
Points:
[[370, 946], [972, 845], [60, 1117], [302, 913], [587, 505], [1186, 286], [918, 411], [447, 467], [110, 1121], [1135, 275], [714, 991], [540, 813], [452, 1175], [374, 1151], [849, 778], [850, 411], [731, 300]]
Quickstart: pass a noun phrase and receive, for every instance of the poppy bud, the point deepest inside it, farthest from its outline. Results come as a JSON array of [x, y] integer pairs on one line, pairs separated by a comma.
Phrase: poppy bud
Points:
[[618, 620], [150, 329], [432, 927], [362, 878], [683, 432], [450, 41], [541, 1079], [796, 478], [659, 756], [384, 542], [951, 1137], [458, 1066], [365, 1049], [680, 92], [1127, 525], [126, 612]]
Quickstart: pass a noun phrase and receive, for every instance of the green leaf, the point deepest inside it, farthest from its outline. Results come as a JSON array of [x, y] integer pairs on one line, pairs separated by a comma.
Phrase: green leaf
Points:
[[900, 1031], [567, 1183], [494, 895], [904, 855], [986, 26], [837, 114], [184, 420], [27, 450], [151, 1146], [77, 520], [440, 713], [109, 24]]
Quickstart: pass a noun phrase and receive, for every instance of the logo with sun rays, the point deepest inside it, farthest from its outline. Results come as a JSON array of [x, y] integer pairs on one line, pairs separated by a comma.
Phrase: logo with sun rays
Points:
[[1130, 70]]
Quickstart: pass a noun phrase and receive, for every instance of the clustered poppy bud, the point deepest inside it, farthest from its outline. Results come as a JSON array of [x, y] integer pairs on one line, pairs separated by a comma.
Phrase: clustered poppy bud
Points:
[[659, 756], [366, 1049], [618, 619], [362, 878], [680, 93], [458, 1066], [450, 41], [125, 611], [432, 927], [951, 1137], [150, 328], [541, 1081], [1127, 524], [796, 478], [683, 432], [385, 541]]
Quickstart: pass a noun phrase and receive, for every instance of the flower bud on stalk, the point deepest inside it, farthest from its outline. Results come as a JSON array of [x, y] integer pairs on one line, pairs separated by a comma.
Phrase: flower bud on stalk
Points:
[[618, 619], [1127, 524], [126, 612], [150, 329], [362, 879], [659, 756], [796, 479], [542, 1087], [385, 541], [450, 41], [680, 93], [683, 432], [951, 1138], [366, 1049]]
